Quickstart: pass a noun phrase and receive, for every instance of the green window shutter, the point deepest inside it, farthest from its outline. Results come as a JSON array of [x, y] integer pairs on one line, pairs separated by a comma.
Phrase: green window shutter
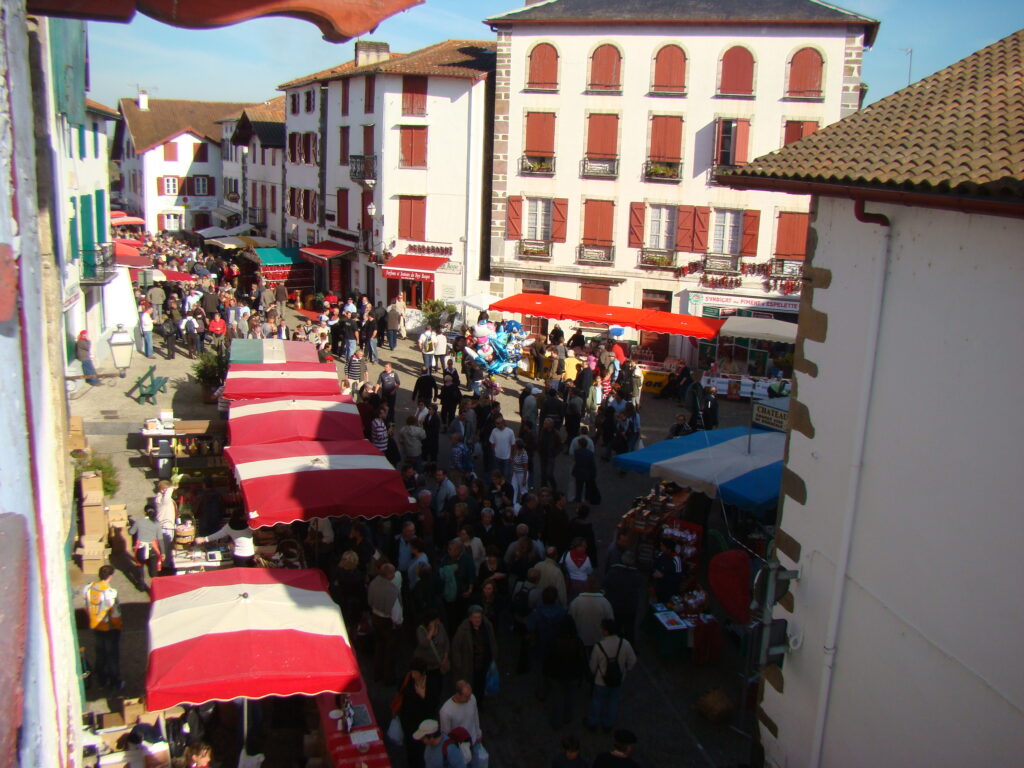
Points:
[[101, 215], [88, 222], [73, 243], [81, 142]]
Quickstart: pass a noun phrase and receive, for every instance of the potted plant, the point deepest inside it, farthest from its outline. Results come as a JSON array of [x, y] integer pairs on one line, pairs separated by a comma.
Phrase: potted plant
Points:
[[210, 369], [662, 171]]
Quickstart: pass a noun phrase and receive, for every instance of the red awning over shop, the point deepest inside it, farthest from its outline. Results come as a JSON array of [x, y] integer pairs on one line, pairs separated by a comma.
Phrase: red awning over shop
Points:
[[322, 252], [407, 266], [117, 214], [128, 256], [681, 325], [538, 305], [128, 221]]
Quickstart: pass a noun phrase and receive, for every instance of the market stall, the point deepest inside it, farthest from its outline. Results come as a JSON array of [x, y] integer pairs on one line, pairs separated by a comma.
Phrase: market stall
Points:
[[248, 382], [282, 419], [259, 351], [747, 354], [280, 265]]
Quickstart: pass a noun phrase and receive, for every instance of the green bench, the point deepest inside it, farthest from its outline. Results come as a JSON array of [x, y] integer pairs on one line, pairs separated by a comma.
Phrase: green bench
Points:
[[147, 385]]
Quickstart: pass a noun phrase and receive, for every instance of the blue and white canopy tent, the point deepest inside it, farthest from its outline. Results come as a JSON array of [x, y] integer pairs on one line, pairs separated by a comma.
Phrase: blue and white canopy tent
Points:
[[717, 463]]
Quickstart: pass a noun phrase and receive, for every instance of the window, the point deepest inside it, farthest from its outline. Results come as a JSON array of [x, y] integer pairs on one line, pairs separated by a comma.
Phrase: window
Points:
[[669, 70], [346, 87], [731, 142], [797, 129], [737, 73], [82, 145], [310, 100], [666, 138], [727, 231], [342, 212], [414, 95], [308, 205], [200, 152], [605, 69], [368, 139], [540, 134], [791, 236], [543, 72], [598, 216], [661, 227], [602, 136], [170, 152], [369, 93], [804, 79], [412, 218], [413, 146], [343, 144], [172, 221], [538, 219], [170, 185], [293, 103], [273, 199], [201, 185]]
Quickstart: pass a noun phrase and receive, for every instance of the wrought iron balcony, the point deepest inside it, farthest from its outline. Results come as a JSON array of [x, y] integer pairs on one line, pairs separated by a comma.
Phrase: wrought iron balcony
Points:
[[257, 216], [98, 265], [787, 268], [362, 167], [534, 249], [600, 167], [657, 258], [535, 165], [722, 263], [603, 255], [671, 173]]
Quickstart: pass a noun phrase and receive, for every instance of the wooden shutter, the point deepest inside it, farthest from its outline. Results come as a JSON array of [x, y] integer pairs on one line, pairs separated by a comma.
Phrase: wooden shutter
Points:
[[200, 152], [184, 185], [346, 87], [342, 212], [405, 146], [343, 142], [540, 134], [737, 72], [666, 138], [791, 238], [559, 217], [419, 218], [741, 142], [595, 294], [701, 220], [414, 95], [369, 93], [367, 139], [160, 185], [263, 197], [602, 136], [670, 70], [637, 211], [211, 186], [605, 65], [793, 132], [543, 67], [419, 147], [807, 127], [252, 196], [273, 199], [405, 218], [170, 152], [514, 218], [597, 222], [748, 243], [805, 73], [684, 227], [160, 222]]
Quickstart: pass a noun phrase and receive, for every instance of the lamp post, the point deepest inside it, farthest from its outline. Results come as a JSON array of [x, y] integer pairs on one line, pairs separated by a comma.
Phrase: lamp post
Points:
[[371, 211], [122, 347]]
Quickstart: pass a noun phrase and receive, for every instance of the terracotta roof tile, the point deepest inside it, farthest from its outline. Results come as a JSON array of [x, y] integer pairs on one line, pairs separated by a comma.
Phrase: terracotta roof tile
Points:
[[468, 59], [959, 131], [102, 109], [167, 118]]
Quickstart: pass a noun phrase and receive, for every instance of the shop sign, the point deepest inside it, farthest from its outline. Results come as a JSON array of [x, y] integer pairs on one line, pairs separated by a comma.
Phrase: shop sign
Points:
[[428, 249], [451, 267], [766, 416], [719, 300], [71, 300], [231, 197], [343, 235], [407, 274]]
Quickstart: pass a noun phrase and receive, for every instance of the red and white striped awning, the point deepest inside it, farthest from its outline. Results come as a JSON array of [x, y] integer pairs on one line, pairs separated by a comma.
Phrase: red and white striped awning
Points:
[[304, 479], [245, 633], [279, 419], [247, 381]]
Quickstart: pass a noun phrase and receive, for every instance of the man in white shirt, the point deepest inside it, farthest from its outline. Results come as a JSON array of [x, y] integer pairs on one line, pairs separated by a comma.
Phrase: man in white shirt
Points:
[[502, 439], [460, 711], [385, 600], [588, 611], [167, 516]]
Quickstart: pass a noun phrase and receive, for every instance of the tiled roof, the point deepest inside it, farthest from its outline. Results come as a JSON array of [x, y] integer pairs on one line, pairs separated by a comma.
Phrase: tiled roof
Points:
[[957, 132], [101, 109], [684, 11], [468, 59], [266, 120], [167, 118]]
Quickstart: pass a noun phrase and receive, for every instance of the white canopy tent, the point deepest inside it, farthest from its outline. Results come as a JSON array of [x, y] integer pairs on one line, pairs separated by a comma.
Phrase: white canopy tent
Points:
[[762, 328]]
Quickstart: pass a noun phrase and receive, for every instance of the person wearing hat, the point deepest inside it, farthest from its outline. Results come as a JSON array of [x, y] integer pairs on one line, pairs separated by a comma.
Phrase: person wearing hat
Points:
[[83, 354], [619, 757]]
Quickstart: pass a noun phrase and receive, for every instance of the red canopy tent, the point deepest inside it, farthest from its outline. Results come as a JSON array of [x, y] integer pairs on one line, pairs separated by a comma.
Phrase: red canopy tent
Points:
[[258, 381], [128, 221], [163, 275], [129, 241], [280, 419], [117, 214], [538, 305], [304, 479], [245, 633], [129, 256]]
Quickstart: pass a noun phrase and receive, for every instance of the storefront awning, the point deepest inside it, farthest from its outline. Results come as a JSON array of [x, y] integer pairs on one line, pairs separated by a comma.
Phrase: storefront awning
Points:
[[128, 221], [229, 243], [407, 266], [224, 213], [760, 328], [322, 252], [275, 257], [128, 256]]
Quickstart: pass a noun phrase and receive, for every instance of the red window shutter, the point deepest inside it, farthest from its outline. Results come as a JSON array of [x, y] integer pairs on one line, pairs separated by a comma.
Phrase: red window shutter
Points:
[[419, 218], [793, 132], [791, 238], [637, 211], [405, 145], [514, 218], [343, 144], [404, 218], [342, 212], [737, 72], [805, 73], [807, 127], [200, 152], [263, 197], [748, 243], [160, 222], [185, 185], [684, 227], [414, 95], [211, 186], [741, 143], [307, 148], [670, 70], [595, 294], [159, 185], [170, 151], [666, 138], [369, 92], [419, 147], [605, 66], [540, 134], [559, 216], [364, 201], [273, 199], [543, 67], [367, 139], [701, 221], [346, 87], [597, 222], [602, 136]]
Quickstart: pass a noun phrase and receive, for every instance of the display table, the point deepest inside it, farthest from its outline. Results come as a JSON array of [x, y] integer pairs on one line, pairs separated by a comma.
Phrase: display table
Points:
[[197, 560], [364, 746], [182, 432], [735, 387], [675, 634]]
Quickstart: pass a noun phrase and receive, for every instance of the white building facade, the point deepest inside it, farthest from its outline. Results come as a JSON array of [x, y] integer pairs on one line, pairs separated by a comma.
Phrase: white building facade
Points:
[[258, 142], [606, 135]]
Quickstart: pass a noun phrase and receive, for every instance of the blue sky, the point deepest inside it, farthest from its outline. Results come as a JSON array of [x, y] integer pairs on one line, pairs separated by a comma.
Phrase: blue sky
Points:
[[247, 61]]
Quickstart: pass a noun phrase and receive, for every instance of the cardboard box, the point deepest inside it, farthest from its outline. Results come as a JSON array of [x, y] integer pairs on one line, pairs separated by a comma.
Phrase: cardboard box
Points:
[[111, 737], [131, 709], [117, 515], [94, 520], [111, 720], [92, 489]]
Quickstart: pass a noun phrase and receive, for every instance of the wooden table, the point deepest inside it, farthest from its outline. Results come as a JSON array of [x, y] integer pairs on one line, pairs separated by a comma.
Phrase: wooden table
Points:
[[341, 752]]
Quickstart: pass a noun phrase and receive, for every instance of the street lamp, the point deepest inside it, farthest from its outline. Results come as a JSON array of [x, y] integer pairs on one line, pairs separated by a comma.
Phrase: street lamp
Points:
[[121, 349], [371, 211]]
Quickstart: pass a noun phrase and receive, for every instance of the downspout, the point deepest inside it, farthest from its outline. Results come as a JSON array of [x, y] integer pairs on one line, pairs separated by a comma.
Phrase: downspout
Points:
[[853, 485]]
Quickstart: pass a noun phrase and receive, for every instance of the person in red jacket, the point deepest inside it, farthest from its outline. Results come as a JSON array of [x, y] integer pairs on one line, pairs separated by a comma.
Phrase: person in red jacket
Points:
[[217, 329]]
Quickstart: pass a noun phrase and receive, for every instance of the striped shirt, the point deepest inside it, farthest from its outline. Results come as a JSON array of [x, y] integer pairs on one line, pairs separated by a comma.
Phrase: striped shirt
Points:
[[379, 434]]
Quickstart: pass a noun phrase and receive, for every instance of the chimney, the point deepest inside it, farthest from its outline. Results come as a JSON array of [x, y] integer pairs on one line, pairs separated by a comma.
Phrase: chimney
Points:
[[143, 101], [370, 52]]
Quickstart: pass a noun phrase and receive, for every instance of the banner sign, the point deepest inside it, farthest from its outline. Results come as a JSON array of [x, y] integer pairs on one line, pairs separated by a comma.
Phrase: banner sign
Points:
[[773, 418]]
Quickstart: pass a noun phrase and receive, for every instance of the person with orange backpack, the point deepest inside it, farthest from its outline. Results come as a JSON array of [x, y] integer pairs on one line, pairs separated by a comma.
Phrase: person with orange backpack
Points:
[[105, 622]]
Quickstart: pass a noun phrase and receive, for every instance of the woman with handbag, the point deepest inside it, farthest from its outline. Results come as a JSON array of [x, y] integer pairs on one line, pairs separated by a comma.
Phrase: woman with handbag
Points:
[[412, 704]]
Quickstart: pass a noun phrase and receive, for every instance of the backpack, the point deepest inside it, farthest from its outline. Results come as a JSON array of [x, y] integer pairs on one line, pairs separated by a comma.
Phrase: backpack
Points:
[[612, 669], [521, 602]]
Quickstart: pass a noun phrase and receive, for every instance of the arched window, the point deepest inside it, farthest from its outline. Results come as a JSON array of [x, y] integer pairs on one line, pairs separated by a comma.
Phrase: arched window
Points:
[[543, 74], [669, 70], [805, 74], [737, 72], [605, 69]]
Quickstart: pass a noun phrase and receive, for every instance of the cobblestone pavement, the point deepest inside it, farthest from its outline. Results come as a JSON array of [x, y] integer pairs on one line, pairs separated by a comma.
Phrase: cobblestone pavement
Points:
[[659, 697]]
